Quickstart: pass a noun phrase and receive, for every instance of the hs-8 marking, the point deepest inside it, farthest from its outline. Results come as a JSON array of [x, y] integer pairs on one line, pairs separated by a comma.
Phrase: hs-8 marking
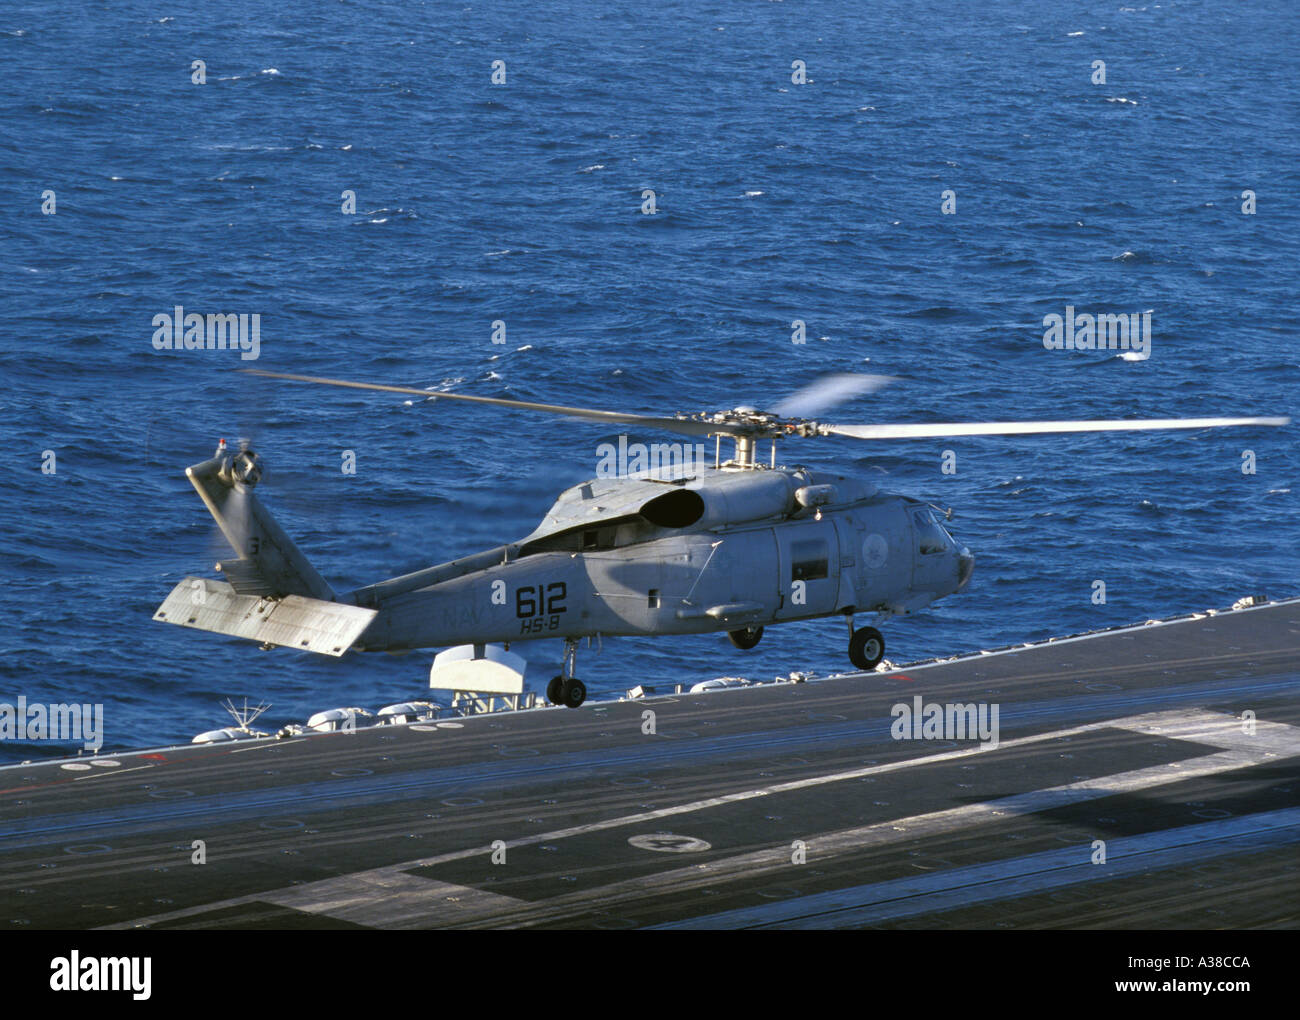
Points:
[[539, 607]]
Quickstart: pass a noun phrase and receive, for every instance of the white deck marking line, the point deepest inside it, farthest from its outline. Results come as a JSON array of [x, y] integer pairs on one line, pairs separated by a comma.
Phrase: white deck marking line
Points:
[[115, 772], [1178, 724]]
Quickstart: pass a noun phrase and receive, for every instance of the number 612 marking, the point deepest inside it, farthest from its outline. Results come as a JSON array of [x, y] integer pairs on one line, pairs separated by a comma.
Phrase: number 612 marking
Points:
[[540, 600]]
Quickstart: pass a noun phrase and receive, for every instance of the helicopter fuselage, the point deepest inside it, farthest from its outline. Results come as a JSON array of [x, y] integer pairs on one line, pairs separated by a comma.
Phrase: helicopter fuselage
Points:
[[723, 550]]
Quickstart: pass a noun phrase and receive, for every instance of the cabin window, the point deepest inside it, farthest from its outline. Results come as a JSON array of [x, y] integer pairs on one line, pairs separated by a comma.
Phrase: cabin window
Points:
[[809, 560], [590, 539], [653, 600]]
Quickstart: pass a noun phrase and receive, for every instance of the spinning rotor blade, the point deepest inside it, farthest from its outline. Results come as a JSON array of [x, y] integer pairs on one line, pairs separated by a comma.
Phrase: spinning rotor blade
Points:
[[683, 425], [820, 394], [827, 392], [1017, 428]]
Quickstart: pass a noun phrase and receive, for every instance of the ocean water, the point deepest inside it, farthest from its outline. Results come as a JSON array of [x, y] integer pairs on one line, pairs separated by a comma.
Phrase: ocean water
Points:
[[522, 202]]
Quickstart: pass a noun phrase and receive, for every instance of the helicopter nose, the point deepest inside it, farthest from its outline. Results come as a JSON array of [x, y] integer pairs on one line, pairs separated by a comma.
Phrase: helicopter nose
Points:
[[965, 567]]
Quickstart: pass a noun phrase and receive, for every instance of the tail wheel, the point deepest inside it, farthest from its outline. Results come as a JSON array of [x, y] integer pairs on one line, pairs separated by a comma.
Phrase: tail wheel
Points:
[[866, 647], [574, 692], [555, 690], [746, 638]]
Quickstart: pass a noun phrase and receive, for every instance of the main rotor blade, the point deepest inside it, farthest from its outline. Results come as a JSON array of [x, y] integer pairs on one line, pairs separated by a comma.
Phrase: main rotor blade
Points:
[[1018, 428], [683, 425], [829, 391]]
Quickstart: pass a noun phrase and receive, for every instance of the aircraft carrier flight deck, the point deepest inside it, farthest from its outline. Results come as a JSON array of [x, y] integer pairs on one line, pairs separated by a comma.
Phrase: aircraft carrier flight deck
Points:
[[1146, 777]]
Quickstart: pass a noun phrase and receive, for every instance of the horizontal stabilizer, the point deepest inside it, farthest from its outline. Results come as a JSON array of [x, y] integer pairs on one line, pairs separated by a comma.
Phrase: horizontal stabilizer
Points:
[[328, 628]]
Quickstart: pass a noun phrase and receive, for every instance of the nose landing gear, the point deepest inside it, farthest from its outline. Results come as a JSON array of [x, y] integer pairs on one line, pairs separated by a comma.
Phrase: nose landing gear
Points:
[[567, 689]]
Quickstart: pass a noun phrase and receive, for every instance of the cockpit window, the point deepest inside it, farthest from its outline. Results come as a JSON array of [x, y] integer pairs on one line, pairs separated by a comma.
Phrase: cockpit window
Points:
[[930, 536]]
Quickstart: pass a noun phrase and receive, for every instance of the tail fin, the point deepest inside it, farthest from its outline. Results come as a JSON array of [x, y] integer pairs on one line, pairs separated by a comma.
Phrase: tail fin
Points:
[[269, 563], [271, 594]]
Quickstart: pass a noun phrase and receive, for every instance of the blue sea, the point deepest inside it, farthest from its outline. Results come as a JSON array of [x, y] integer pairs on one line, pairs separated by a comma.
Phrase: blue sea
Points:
[[776, 200]]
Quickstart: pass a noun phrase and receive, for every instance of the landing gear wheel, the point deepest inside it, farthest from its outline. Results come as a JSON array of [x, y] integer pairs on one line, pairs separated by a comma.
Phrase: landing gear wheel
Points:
[[866, 647], [746, 638], [574, 692], [555, 690]]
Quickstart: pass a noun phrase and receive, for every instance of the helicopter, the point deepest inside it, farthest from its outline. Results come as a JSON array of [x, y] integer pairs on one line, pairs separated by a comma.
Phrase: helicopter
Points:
[[734, 547]]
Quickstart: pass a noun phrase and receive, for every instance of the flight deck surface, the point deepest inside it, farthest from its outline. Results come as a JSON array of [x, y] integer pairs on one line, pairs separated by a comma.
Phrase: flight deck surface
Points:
[[1130, 788]]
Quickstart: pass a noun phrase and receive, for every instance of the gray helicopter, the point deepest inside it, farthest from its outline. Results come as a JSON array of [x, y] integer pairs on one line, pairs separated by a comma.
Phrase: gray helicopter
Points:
[[731, 547]]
